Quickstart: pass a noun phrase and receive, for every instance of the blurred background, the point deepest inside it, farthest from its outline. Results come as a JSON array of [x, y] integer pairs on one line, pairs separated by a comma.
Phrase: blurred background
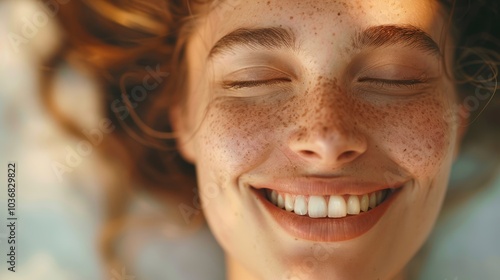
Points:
[[60, 186], [60, 182]]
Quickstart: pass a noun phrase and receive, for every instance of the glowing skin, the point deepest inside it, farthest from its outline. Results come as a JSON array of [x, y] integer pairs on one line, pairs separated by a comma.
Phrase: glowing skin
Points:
[[325, 114]]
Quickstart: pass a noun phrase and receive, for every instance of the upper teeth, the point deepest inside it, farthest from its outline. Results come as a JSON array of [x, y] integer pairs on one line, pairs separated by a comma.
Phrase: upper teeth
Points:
[[333, 206]]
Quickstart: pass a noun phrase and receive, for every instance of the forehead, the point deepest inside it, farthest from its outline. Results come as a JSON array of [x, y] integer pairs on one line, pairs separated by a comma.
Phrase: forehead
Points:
[[323, 14]]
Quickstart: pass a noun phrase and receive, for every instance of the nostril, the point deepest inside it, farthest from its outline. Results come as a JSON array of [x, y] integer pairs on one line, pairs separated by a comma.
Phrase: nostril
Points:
[[307, 153], [347, 155]]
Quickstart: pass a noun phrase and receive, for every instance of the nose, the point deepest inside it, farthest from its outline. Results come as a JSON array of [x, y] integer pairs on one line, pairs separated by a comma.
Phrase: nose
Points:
[[332, 138], [333, 151]]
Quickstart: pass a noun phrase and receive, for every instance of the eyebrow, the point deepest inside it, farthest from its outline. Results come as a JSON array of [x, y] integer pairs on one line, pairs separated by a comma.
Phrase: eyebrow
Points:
[[387, 35], [375, 36], [268, 38]]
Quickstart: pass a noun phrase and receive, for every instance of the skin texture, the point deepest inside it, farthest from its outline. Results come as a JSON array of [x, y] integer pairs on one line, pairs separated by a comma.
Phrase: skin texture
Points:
[[323, 121]]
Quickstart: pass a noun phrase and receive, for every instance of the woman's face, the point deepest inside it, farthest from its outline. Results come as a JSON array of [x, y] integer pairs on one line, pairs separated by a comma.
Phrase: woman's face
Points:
[[330, 104]]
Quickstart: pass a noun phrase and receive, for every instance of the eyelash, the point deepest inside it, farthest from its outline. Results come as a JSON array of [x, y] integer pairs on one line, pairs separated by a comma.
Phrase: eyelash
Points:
[[394, 83], [250, 84]]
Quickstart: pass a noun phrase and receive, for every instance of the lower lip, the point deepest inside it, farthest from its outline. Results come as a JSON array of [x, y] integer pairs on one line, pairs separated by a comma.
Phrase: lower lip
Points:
[[327, 229]]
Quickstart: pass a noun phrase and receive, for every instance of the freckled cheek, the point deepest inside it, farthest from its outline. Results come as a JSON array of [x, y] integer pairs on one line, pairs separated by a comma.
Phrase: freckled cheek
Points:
[[236, 137], [415, 136]]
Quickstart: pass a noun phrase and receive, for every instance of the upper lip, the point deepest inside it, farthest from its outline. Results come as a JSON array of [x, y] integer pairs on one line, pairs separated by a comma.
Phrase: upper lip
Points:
[[326, 186]]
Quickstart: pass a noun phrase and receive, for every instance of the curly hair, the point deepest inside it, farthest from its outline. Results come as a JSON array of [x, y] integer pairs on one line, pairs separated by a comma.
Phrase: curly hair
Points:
[[133, 49]]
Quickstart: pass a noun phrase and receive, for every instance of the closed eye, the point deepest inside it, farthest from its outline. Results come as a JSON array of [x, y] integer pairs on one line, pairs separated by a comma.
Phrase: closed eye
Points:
[[409, 83], [253, 83]]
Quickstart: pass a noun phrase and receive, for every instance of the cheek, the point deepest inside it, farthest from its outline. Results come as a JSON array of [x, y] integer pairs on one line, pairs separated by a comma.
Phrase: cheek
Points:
[[237, 134], [415, 134]]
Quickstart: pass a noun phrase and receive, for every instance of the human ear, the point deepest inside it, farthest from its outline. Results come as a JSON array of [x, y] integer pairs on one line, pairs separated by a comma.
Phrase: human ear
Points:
[[183, 133]]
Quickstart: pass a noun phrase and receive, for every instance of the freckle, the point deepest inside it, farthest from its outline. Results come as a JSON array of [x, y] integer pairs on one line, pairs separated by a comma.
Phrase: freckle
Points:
[[338, 14], [291, 17]]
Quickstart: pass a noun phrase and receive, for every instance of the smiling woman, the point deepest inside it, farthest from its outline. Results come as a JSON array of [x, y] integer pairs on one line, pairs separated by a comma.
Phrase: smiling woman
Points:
[[326, 124], [320, 134]]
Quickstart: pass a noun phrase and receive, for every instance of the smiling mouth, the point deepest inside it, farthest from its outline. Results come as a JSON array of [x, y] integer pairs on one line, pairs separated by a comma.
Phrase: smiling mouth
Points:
[[327, 218], [331, 206]]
